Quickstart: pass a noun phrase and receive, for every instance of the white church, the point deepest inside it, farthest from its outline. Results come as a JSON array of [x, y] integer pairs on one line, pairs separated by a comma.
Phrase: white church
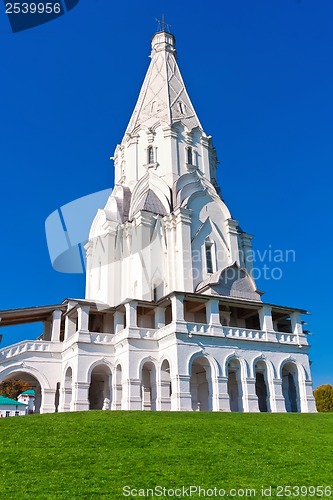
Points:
[[172, 318]]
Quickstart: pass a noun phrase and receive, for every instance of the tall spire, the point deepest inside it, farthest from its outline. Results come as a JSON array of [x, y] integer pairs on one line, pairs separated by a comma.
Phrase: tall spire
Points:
[[163, 97]]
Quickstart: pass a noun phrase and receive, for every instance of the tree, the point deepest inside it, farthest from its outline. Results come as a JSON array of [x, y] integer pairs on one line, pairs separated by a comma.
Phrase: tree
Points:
[[324, 398], [12, 388]]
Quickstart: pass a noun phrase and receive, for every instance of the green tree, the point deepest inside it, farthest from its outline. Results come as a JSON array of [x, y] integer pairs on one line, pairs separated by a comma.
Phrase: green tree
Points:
[[324, 398], [13, 387]]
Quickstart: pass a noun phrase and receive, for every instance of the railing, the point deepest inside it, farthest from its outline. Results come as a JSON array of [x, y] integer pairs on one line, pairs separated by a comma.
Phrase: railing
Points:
[[289, 338], [101, 338], [198, 328], [244, 333], [26, 346]]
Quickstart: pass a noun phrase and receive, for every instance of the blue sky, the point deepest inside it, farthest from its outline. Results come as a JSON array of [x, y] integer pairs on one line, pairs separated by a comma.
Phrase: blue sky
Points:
[[260, 76]]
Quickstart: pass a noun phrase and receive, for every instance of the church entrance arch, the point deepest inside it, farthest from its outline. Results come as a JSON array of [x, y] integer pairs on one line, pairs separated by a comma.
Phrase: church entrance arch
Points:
[[148, 386], [33, 383], [262, 391], [290, 387], [235, 385], [200, 384], [99, 394]]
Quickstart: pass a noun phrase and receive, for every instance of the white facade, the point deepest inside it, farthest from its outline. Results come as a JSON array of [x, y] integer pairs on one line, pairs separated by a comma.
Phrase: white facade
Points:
[[172, 318]]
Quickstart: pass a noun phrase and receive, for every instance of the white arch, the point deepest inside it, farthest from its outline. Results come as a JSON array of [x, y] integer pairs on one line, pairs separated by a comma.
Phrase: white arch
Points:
[[302, 402], [148, 359], [270, 379], [165, 358], [40, 377], [268, 363], [93, 365], [214, 365], [242, 362], [300, 368]]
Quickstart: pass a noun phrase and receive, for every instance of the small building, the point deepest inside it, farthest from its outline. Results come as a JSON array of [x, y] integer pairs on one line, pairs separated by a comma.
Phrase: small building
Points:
[[11, 408], [28, 398]]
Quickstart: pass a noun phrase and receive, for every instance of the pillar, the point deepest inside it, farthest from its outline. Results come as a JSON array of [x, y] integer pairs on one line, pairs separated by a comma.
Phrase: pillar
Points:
[[223, 403], [280, 405], [310, 404], [70, 327], [265, 317], [83, 318], [131, 389], [48, 401], [80, 400], [119, 321], [56, 325], [296, 325], [251, 396], [159, 317], [177, 308], [212, 312], [131, 314], [181, 399]]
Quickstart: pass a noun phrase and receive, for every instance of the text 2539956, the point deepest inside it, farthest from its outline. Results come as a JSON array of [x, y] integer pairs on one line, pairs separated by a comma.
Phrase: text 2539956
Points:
[[33, 8]]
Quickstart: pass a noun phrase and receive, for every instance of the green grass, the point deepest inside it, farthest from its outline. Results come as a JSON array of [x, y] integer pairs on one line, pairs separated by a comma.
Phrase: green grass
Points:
[[95, 454]]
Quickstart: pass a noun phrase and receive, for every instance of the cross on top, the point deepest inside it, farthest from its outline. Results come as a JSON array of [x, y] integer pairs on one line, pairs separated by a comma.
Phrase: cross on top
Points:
[[162, 25]]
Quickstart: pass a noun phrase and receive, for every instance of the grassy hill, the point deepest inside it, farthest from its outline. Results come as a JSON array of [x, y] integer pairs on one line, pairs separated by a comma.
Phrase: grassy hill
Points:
[[95, 454]]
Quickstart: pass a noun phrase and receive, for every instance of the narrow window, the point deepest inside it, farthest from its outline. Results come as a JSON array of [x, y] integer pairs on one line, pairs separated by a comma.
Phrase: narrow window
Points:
[[209, 258], [7, 413], [151, 158], [189, 156], [182, 107], [17, 413]]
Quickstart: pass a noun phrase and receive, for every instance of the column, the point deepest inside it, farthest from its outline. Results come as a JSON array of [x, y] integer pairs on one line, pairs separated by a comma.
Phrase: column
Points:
[[181, 399], [48, 401], [251, 396], [212, 312], [80, 400], [159, 317], [163, 395], [177, 311], [131, 394], [296, 325], [83, 318], [56, 325], [119, 321], [177, 308], [309, 404], [131, 314], [223, 396], [266, 322], [280, 405], [65, 399], [70, 327]]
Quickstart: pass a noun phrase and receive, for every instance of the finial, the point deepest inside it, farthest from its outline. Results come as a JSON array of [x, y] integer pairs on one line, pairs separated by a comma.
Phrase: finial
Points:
[[162, 25]]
